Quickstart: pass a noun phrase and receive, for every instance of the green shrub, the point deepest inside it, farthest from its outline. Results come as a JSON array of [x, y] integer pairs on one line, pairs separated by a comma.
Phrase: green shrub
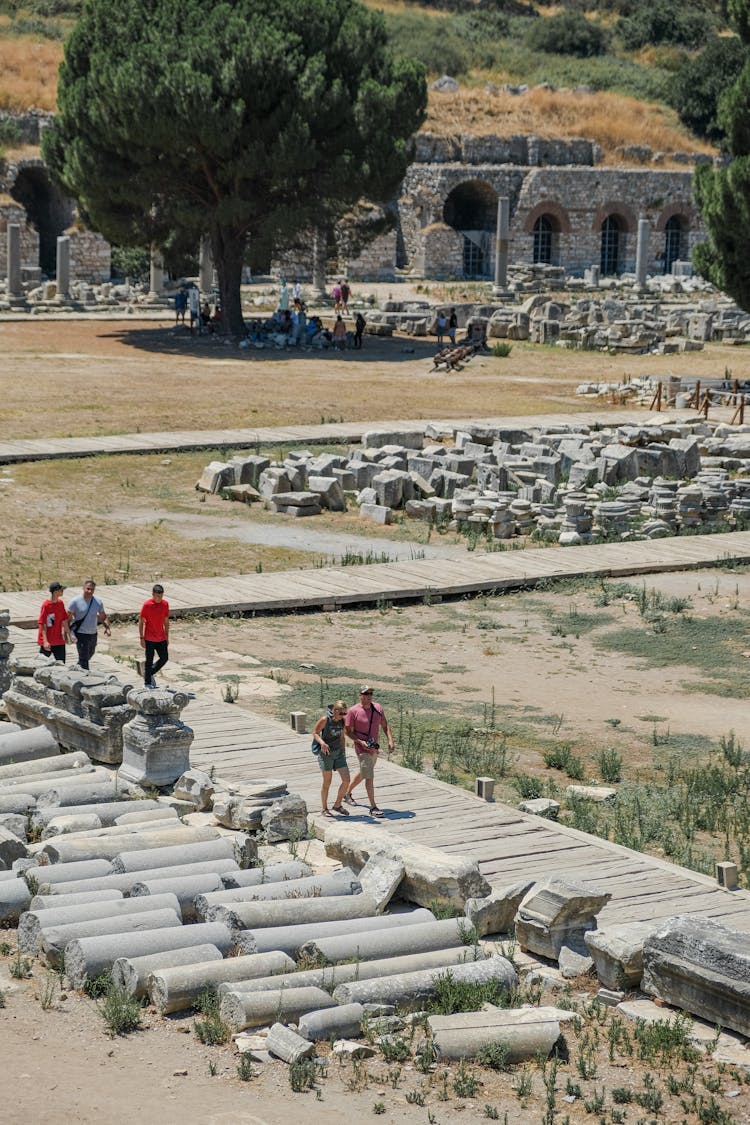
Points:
[[695, 89], [610, 765], [496, 1056], [38, 29], [502, 349], [664, 21], [120, 1011], [430, 39], [568, 33], [131, 261], [302, 1075], [528, 787], [10, 134]]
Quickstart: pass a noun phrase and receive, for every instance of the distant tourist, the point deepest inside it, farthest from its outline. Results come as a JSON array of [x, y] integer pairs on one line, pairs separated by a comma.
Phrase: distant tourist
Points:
[[180, 305], [194, 304], [54, 633], [339, 334], [359, 328], [452, 327], [296, 291], [329, 747], [85, 614], [153, 629], [336, 294], [283, 297], [346, 293], [364, 721], [440, 327]]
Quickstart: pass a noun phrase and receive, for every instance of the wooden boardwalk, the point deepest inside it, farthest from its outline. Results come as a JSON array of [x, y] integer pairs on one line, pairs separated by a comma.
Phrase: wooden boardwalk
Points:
[[332, 588], [45, 449], [508, 845]]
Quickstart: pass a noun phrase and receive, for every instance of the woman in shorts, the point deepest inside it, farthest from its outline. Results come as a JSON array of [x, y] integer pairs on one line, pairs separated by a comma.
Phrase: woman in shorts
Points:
[[329, 746]]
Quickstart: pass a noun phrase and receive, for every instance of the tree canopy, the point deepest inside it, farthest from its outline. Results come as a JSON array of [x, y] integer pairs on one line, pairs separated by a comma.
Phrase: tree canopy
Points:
[[241, 119], [723, 194]]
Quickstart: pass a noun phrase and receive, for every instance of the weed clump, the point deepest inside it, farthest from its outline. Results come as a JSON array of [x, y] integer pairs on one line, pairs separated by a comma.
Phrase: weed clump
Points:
[[121, 1013]]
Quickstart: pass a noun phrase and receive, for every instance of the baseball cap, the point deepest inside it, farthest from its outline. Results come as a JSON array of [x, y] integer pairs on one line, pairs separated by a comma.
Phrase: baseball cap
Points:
[[55, 586], [365, 690]]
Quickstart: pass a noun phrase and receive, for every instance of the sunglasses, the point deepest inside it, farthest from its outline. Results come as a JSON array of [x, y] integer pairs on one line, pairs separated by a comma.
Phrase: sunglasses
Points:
[[365, 693]]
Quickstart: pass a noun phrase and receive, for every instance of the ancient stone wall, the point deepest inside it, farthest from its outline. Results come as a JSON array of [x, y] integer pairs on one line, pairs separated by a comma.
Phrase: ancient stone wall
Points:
[[90, 255], [10, 213]]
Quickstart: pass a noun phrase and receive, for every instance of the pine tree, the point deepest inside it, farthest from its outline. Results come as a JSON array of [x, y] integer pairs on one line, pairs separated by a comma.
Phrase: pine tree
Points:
[[241, 119], [723, 194]]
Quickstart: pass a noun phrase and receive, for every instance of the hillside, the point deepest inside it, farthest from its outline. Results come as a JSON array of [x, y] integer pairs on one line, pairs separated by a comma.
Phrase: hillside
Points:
[[591, 73]]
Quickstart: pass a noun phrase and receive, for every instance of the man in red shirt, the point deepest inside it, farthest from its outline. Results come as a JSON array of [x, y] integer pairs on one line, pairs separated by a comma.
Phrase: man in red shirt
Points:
[[53, 624], [364, 721], [153, 627]]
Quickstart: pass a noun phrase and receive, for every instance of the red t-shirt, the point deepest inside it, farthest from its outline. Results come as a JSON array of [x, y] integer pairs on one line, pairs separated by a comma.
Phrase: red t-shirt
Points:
[[52, 614], [154, 614], [365, 725]]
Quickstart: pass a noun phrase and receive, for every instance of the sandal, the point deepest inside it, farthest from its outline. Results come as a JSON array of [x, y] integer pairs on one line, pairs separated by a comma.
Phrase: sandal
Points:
[[327, 812], [341, 810], [349, 799], [375, 811]]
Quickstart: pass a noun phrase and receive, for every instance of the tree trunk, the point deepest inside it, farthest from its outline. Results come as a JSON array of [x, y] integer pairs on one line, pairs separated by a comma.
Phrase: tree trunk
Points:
[[228, 249]]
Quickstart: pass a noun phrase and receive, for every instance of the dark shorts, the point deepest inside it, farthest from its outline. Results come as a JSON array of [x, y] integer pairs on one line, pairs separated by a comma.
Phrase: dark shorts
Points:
[[58, 651], [330, 762]]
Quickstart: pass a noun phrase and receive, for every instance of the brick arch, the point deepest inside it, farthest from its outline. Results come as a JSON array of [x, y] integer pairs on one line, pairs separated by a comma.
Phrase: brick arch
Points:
[[683, 210], [554, 210], [621, 211]]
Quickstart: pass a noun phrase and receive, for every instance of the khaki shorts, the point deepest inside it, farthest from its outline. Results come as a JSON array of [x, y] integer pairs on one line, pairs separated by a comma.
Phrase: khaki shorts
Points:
[[330, 762], [366, 763]]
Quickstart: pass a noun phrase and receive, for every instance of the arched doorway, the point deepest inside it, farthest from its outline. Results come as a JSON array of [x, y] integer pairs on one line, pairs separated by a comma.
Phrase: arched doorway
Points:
[[674, 232], [46, 207], [546, 231], [610, 245], [471, 209]]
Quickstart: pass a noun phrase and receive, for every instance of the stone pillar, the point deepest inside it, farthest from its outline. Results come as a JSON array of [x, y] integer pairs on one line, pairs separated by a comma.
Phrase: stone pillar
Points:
[[319, 263], [641, 253], [63, 268], [156, 744], [6, 648], [501, 245], [205, 266], [156, 274], [15, 291]]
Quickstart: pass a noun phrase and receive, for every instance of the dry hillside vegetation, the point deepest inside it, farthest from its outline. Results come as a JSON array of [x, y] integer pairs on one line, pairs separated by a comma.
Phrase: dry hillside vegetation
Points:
[[609, 119], [28, 73]]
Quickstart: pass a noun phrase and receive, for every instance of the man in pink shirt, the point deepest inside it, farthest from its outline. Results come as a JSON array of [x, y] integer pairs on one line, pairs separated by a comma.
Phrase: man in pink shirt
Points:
[[364, 721], [153, 627]]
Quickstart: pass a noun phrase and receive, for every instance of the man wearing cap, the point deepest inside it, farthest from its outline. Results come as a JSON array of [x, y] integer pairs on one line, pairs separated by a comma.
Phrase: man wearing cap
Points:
[[153, 629], [54, 633], [85, 613], [364, 721]]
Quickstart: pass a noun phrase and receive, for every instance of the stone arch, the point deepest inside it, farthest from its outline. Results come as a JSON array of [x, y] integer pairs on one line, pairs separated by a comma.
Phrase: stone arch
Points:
[[621, 211], [556, 212], [683, 210], [471, 209], [46, 208]]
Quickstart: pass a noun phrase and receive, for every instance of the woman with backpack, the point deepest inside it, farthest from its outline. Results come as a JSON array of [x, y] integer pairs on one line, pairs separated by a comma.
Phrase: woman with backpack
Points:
[[329, 746]]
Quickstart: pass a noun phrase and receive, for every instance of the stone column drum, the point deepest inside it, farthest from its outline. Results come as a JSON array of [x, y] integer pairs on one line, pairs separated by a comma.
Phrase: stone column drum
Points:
[[6, 648], [63, 268], [15, 288], [156, 743]]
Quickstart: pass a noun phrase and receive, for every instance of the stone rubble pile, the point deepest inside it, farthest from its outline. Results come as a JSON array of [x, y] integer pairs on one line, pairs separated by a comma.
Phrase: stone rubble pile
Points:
[[567, 483], [655, 320]]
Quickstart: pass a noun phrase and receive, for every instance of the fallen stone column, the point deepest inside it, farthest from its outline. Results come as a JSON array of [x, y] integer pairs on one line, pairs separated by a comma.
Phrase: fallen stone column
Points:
[[208, 846], [617, 952], [337, 883], [17, 802], [699, 966], [557, 913], [342, 1022], [49, 873], [71, 825], [164, 812], [43, 780], [15, 897], [107, 811], [54, 939], [44, 902], [173, 990], [90, 957], [175, 840], [286, 1045], [11, 849], [36, 766], [288, 912], [525, 1033], [34, 922], [240, 1010], [375, 945], [26, 745], [131, 973], [271, 873], [185, 888], [429, 875], [414, 988], [8, 728], [290, 939], [496, 913], [95, 789], [331, 975], [128, 879]]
